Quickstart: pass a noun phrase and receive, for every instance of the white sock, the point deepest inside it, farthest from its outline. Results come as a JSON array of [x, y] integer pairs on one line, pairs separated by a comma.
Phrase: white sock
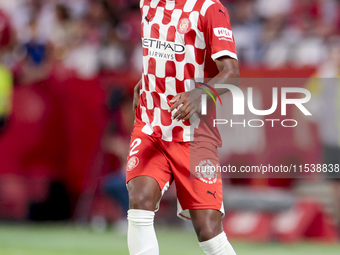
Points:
[[219, 245], [141, 233]]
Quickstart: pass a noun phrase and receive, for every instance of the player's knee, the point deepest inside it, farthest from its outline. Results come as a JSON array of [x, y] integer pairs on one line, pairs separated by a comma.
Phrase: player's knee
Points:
[[142, 201], [206, 233]]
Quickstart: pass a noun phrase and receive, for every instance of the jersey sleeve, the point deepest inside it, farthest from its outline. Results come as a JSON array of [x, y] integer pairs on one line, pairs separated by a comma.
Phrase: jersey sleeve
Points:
[[217, 32]]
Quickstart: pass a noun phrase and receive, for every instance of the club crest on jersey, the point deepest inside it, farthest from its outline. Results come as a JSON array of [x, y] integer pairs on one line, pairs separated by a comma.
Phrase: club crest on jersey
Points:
[[132, 163], [207, 173], [223, 33], [184, 26]]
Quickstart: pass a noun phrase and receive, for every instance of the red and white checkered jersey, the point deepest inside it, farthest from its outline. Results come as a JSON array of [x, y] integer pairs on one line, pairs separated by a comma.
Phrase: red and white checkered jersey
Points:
[[181, 39]]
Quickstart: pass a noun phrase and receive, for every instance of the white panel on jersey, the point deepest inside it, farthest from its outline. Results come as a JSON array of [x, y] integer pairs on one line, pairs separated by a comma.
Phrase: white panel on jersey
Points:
[[160, 67], [149, 100], [189, 85], [189, 5], [147, 129], [154, 3], [176, 14], [170, 5], [224, 53], [157, 119], [194, 16], [159, 15], [152, 83], [164, 102], [170, 89], [190, 58], [141, 3], [167, 130], [195, 122], [205, 6], [180, 38], [146, 64], [147, 27], [170, 86], [188, 135], [163, 31], [199, 42], [199, 71], [180, 70]]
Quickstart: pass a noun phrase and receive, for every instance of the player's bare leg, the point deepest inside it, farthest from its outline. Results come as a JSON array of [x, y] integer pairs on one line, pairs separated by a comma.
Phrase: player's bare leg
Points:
[[210, 234], [144, 193]]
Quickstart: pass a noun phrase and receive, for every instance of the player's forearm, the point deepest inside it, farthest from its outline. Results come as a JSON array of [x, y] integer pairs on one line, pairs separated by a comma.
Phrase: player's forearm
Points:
[[136, 95], [226, 76], [230, 77], [137, 87], [229, 73]]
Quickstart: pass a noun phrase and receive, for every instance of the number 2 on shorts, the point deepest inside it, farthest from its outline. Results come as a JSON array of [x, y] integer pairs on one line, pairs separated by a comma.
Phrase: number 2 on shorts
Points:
[[134, 145]]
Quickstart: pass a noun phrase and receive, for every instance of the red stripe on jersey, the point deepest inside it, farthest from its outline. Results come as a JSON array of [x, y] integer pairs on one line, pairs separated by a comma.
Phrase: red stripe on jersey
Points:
[[187, 123], [167, 18], [168, 98], [170, 70], [145, 52], [179, 57], [157, 130], [177, 133], [155, 31], [190, 38], [160, 85], [150, 114], [156, 100], [143, 99], [166, 118], [199, 56], [189, 71], [180, 86], [171, 34], [146, 79], [152, 66]]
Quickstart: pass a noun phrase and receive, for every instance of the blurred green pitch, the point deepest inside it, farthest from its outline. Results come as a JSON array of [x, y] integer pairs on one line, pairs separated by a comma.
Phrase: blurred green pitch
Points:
[[48, 239]]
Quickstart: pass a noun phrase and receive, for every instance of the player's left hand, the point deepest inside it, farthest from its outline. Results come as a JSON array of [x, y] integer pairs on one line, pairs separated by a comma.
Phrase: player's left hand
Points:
[[187, 104]]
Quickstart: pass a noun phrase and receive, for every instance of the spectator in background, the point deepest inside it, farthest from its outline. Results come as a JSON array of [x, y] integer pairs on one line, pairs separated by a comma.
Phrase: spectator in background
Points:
[[116, 143], [5, 96], [6, 81], [35, 67], [246, 25], [104, 34], [63, 31], [112, 53]]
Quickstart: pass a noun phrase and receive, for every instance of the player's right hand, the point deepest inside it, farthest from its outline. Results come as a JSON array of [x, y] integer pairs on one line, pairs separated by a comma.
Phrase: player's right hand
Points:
[[136, 96]]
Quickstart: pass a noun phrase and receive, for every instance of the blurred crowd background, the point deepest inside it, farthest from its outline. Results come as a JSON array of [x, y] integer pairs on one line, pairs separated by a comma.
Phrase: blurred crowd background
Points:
[[55, 34], [67, 72]]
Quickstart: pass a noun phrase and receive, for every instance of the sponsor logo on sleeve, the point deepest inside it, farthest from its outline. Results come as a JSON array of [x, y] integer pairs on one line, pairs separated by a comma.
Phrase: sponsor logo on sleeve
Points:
[[223, 33]]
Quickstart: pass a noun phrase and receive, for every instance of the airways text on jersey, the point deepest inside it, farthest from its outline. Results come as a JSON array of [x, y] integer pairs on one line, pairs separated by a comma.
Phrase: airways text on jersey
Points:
[[162, 49]]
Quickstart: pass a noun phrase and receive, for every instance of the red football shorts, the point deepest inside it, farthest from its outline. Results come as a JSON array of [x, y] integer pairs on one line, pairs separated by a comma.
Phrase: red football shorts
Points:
[[172, 161]]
